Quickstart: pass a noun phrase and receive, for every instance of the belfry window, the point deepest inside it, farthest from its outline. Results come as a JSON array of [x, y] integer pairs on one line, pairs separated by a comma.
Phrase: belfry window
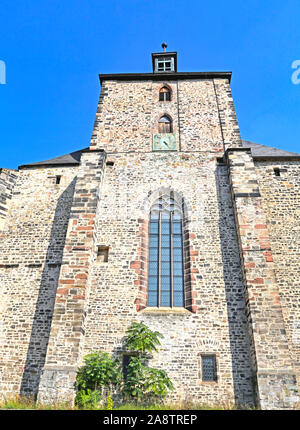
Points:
[[164, 65], [164, 94], [166, 276], [165, 124]]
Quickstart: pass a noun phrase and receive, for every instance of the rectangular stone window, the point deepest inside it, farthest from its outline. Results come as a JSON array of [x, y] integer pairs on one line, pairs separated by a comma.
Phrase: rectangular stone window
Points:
[[57, 179], [102, 254], [127, 356], [125, 364], [209, 368]]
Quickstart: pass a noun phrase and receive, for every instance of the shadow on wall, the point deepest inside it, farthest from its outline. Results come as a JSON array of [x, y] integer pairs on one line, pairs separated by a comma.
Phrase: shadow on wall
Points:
[[40, 332], [234, 289]]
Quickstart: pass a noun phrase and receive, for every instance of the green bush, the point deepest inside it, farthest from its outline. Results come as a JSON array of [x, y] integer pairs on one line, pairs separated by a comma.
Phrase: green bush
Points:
[[100, 372], [143, 383], [141, 339], [88, 399]]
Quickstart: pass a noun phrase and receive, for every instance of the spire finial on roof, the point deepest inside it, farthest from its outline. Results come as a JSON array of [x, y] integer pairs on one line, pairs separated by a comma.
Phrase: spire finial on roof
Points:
[[164, 46]]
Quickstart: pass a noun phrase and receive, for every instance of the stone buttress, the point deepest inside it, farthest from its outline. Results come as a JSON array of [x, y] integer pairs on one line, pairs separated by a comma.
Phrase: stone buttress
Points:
[[275, 377], [68, 324]]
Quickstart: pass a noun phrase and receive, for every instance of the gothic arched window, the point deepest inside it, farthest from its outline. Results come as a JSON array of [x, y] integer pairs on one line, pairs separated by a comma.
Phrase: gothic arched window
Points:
[[164, 94], [165, 124], [166, 261]]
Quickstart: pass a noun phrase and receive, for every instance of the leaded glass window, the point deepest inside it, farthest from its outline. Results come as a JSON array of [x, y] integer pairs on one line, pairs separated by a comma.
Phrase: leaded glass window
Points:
[[209, 368], [165, 274]]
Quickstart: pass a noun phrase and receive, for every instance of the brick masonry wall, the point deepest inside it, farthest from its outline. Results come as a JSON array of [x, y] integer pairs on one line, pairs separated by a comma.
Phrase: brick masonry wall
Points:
[[30, 257], [281, 202]]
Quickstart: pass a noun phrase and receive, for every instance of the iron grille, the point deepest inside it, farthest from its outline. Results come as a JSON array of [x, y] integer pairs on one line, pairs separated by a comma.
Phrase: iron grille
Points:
[[209, 370]]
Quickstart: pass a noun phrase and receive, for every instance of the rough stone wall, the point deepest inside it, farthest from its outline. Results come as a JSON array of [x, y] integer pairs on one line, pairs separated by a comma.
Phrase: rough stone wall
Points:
[[219, 324], [128, 114], [228, 120], [271, 359], [30, 257], [281, 202], [7, 181]]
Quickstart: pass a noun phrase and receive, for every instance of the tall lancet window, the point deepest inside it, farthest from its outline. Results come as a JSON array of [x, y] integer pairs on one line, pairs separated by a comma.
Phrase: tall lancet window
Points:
[[165, 277]]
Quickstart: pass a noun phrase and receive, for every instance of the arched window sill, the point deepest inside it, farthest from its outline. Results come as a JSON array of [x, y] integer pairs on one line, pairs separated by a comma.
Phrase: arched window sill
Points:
[[166, 310]]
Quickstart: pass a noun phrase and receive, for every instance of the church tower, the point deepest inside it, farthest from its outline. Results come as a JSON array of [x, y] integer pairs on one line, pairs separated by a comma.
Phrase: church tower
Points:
[[164, 223]]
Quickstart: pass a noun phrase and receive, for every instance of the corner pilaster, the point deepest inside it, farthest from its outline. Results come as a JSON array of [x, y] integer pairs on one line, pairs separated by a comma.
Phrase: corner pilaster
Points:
[[275, 378]]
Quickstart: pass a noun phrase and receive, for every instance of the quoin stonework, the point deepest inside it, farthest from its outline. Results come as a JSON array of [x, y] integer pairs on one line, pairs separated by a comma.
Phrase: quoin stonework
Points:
[[167, 217]]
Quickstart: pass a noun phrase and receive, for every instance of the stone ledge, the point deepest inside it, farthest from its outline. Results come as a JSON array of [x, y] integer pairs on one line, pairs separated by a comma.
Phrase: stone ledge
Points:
[[267, 372], [59, 368], [166, 310]]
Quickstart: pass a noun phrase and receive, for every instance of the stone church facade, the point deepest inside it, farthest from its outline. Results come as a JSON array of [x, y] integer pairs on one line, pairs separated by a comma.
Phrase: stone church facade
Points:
[[169, 218]]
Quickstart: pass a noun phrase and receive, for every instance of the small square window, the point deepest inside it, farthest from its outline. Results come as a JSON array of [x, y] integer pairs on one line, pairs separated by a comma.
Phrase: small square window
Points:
[[209, 368], [102, 254], [277, 171], [110, 163]]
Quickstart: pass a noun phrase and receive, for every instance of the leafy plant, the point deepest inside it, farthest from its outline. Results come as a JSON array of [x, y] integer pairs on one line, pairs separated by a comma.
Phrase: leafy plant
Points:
[[99, 372], [109, 402], [88, 398], [157, 382], [141, 339], [102, 372], [144, 383]]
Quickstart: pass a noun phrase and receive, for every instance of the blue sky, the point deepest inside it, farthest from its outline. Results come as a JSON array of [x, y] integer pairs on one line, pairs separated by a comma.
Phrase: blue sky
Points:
[[54, 50]]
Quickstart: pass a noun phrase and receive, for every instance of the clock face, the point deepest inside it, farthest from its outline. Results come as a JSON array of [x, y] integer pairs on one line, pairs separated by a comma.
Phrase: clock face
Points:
[[164, 142]]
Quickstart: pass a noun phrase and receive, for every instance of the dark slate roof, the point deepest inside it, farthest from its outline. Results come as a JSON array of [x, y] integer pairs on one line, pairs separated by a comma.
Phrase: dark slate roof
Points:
[[66, 160], [165, 76], [263, 151], [258, 152]]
